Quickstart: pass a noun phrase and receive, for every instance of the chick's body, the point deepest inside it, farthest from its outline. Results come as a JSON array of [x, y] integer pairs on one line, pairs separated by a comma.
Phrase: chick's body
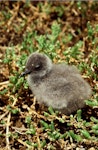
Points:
[[57, 85]]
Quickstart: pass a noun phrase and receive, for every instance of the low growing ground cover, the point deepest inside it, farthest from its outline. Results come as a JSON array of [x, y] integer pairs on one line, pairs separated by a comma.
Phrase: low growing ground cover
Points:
[[66, 32]]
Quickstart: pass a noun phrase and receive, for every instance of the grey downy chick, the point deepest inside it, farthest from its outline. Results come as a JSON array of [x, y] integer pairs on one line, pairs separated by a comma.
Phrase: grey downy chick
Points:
[[58, 85]]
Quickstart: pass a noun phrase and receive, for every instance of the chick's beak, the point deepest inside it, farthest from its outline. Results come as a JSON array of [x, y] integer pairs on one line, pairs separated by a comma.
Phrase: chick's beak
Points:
[[25, 73]]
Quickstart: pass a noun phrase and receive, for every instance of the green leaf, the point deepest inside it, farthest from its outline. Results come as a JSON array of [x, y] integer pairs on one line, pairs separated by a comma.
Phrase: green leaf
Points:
[[86, 134]]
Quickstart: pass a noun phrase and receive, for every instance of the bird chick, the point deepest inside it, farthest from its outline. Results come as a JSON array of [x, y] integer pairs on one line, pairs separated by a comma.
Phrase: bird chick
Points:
[[58, 85]]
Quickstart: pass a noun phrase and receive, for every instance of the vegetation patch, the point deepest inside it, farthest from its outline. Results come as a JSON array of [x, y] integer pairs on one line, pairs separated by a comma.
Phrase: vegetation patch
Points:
[[66, 32]]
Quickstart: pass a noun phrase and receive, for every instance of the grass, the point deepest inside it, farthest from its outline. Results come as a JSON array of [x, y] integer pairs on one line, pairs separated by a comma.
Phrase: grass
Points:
[[24, 122]]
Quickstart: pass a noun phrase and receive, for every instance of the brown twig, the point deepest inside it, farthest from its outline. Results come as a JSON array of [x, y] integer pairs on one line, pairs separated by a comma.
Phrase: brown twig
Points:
[[38, 140], [16, 9], [24, 143], [4, 82], [3, 115], [7, 132]]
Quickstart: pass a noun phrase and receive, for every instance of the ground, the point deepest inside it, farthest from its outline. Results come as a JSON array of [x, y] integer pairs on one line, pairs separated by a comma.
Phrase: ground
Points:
[[66, 32]]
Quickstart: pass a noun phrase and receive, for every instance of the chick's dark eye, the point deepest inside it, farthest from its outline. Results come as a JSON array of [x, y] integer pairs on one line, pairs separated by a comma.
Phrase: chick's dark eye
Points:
[[37, 67]]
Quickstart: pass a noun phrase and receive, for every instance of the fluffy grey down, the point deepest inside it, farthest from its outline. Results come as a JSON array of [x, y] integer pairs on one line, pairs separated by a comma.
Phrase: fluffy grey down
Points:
[[58, 85]]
